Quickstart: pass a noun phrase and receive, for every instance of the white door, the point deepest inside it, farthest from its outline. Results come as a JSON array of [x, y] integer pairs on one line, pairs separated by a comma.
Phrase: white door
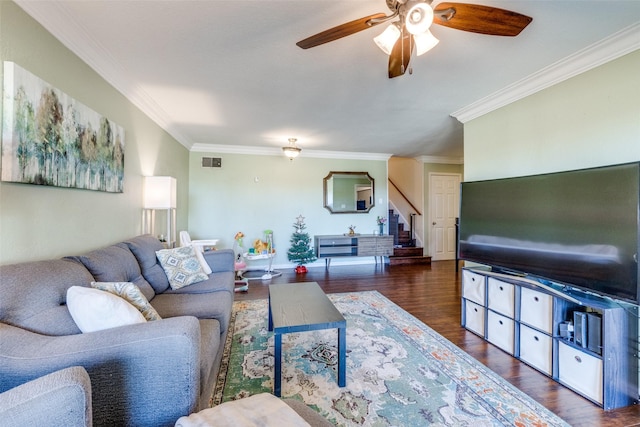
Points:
[[444, 204]]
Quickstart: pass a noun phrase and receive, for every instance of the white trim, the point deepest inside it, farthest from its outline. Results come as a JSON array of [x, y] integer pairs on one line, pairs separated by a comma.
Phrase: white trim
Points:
[[274, 151], [621, 43]]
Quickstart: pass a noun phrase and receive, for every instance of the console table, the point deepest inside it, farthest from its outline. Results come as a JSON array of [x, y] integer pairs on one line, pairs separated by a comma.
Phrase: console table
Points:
[[359, 245]]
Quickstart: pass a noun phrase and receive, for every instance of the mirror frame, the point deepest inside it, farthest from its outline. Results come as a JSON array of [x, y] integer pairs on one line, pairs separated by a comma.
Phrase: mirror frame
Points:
[[326, 204]]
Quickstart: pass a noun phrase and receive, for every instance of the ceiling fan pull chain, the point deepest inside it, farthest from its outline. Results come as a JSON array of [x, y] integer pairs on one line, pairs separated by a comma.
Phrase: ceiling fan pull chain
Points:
[[402, 51]]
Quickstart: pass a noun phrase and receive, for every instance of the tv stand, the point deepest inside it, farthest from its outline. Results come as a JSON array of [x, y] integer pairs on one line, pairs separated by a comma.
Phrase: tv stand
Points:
[[528, 320]]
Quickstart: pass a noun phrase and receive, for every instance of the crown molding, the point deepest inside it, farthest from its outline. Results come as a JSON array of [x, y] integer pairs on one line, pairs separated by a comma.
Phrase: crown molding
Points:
[[618, 44], [441, 160], [98, 58], [273, 151]]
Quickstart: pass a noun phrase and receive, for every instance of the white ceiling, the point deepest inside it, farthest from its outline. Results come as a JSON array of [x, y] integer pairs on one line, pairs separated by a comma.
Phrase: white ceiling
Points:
[[227, 75]]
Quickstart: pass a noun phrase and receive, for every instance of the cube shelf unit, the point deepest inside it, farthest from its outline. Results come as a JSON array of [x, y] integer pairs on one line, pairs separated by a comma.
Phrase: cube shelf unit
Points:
[[359, 245], [523, 318]]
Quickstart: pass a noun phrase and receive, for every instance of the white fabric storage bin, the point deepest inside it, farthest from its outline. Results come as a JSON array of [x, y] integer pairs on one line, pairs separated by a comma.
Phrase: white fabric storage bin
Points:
[[474, 315], [473, 287], [580, 371], [500, 297], [536, 349], [536, 309], [500, 331]]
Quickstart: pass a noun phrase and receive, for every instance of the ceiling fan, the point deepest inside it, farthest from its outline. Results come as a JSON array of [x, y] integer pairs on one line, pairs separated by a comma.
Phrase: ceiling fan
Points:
[[411, 31]]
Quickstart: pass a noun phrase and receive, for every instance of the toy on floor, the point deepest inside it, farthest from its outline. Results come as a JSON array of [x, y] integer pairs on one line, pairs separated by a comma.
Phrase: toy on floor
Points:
[[242, 285]]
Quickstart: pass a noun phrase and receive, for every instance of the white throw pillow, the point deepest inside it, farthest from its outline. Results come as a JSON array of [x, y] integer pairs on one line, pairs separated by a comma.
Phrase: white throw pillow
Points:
[[181, 266], [95, 310]]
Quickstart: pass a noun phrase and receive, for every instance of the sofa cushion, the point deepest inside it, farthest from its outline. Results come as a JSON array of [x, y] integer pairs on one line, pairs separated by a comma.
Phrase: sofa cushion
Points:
[[115, 264], [132, 294], [224, 281], [95, 310], [144, 248], [33, 295], [212, 305], [181, 266]]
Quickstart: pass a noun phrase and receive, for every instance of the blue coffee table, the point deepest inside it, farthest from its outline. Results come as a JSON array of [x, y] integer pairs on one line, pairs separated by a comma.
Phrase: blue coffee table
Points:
[[301, 307]]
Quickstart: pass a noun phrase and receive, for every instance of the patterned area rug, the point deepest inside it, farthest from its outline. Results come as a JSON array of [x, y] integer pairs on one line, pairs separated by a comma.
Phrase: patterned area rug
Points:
[[400, 372]]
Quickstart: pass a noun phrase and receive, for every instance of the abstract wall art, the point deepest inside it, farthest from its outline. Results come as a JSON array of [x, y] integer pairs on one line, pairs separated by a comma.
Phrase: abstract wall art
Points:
[[49, 138]]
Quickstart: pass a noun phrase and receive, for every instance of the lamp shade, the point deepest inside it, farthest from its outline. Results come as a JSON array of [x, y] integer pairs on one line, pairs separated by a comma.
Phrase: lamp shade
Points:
[[425, 42], [159, 192], [387, 39], [419, 18]]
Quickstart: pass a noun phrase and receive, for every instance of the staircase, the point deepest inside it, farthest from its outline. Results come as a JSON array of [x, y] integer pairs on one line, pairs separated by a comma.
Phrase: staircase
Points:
[[404, 245]]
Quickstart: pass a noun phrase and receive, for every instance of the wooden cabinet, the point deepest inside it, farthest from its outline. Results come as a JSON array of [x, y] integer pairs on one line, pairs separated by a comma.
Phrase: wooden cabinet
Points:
[[332, 246], [524, 317]]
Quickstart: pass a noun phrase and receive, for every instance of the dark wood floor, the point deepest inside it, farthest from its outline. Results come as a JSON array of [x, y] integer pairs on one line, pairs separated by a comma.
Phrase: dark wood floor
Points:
[[432, 294]]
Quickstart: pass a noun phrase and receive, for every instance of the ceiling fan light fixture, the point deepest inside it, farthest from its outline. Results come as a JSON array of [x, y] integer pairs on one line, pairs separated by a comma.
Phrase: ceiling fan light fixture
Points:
[[388, 38], [292, 150], [419, 18], [425, 42]]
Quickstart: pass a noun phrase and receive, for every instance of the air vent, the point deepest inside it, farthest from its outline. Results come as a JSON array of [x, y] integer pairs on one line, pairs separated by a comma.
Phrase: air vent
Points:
[[211, 162]]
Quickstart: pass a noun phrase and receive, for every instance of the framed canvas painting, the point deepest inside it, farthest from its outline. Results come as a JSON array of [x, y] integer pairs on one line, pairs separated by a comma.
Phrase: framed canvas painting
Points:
[[49, 138]]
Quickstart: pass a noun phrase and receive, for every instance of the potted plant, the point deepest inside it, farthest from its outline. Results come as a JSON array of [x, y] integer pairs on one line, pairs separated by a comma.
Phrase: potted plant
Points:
[[381, 220]]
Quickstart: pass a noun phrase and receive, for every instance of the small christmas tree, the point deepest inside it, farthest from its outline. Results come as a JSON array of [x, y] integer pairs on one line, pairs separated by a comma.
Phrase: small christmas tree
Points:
[[300, 251]]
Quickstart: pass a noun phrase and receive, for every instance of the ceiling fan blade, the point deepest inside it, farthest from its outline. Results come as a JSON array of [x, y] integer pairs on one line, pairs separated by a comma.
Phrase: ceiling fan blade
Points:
[[340, 31], [480, 19], [400, 55]]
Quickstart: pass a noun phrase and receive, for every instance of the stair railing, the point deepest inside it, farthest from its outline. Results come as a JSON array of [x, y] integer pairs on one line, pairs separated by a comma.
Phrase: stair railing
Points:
[[411, 215], [406, 199]]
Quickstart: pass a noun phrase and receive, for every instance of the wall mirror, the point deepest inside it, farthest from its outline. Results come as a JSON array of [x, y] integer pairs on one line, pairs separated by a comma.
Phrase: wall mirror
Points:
[[348, 192]]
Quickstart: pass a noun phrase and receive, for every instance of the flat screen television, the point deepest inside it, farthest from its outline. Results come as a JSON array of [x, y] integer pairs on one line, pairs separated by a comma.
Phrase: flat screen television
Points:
[[576, 228]]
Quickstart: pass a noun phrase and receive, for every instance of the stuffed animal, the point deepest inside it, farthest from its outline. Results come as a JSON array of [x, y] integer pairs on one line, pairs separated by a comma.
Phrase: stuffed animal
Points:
[[262, 247], [259, 246]]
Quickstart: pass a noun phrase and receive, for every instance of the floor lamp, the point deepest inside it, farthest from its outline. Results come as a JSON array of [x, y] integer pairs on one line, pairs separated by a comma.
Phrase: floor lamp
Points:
[[159, 195]]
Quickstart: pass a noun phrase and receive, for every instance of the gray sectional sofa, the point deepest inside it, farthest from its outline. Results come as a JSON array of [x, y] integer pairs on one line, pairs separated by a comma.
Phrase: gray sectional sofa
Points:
[[145, 374]]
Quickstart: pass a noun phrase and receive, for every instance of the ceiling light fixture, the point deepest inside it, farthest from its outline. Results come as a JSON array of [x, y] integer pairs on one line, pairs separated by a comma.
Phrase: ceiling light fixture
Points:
[[418, 17], [291, 150]]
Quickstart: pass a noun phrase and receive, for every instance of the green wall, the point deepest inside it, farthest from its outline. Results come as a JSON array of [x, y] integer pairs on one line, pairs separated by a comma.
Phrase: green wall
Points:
[[592, 119], [252, 193], [44, 222]]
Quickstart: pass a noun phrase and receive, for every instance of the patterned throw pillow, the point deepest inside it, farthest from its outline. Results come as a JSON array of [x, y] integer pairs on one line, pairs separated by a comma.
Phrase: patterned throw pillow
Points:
[[132, 294], [181, 266]]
